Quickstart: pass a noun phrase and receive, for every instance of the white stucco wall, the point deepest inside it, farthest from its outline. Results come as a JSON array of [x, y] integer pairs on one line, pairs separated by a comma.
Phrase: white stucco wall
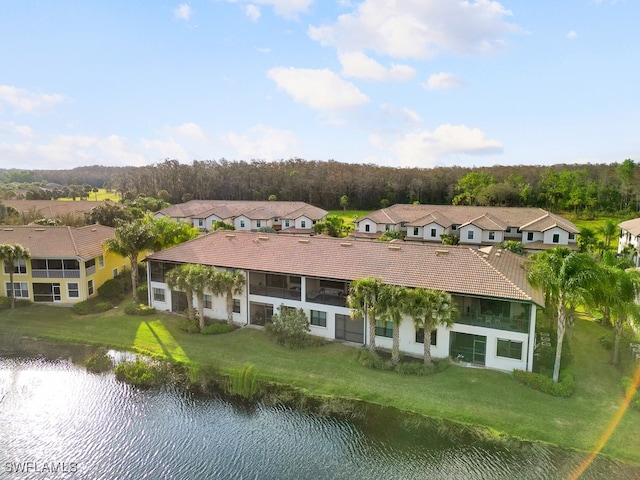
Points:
[[498, 236], [306, 221], [362, 226], [426, 233], [464, 234], [562, 234]]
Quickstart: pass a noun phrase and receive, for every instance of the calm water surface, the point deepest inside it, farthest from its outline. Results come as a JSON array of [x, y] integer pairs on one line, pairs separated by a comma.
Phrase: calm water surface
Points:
[[54, 415]]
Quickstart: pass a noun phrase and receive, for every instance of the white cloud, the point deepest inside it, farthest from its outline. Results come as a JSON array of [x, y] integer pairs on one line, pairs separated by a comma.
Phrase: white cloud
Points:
[[320, 89], [183, 12], [443, 81], [264, 143], [419, 29], [192, 131], [422, 148], [358, 65], [572, 34], [284, 8], [29, 102], [252, 12]]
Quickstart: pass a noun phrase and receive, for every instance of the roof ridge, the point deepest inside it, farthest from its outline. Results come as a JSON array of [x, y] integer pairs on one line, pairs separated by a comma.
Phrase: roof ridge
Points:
[[73, 241], [494, 268]]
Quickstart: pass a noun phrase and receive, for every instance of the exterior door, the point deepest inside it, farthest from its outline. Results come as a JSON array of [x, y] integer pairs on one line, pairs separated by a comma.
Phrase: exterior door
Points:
[[349, 330], [468, 348], [55, 290]]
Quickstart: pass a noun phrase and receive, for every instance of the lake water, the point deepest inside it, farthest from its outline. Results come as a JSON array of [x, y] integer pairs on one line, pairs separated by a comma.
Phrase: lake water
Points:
[[59, 421]]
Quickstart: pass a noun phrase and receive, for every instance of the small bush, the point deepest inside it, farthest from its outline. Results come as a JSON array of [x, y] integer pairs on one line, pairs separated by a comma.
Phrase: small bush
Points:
[[112, 290], [370, 359], [5, 302], [419, 368], [606, 341], [143, 294], [243, 383], [140, 374], [207, 378], [545, 356], [543, 383], [189, 326], [99, 362], [93, 305], [290, 328], [139, 309], [216, 328]]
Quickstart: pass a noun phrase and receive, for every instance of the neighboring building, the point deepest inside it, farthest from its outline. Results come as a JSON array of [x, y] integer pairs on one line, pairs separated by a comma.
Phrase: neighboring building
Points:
[[537, 229], [496, 327], [67, 264], [294, 217], [52, 209], [630, 238]]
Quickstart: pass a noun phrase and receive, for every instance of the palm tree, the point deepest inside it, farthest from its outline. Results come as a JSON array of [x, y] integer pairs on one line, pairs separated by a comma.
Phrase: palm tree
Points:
[[627, 287], [9, 255], [228, 283], [129, 240], [191, 279], [608, 230], [566, 277], [431, 309], [393, 303], [363, 299]]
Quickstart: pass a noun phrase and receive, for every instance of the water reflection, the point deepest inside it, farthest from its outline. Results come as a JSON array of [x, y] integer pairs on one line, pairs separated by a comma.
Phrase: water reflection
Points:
[[52, 412]]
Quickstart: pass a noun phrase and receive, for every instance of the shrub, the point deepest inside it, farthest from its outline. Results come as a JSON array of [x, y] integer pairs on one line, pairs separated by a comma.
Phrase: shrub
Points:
[[139, 309], [606, 341], [5, 302], [544, 383], [207, 378], [545, 356], [419, 368], [290, 328], [99, 362], [217, 327], [189, 326], [140, 373], [143, 294], [93, 305], [370, 359], [112, 290]]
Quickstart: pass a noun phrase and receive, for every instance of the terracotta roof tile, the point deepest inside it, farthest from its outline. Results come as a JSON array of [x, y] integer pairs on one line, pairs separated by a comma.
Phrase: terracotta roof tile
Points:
[[461, 270], [58, 242]]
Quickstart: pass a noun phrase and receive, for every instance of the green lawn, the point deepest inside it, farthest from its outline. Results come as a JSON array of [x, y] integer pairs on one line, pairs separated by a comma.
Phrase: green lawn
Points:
[[101, 194], [471, 396]]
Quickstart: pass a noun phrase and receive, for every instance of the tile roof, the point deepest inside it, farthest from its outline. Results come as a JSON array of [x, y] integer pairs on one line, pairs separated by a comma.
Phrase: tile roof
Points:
[[432, 217], [257, 210], [549, 221], [631, 226], [488, 272], [53, 208], [58, 242], [462, 214], [487, 222]]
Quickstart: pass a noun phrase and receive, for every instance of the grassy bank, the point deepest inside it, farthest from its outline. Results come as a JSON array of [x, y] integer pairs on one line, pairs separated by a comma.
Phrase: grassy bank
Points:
[[471, 396]]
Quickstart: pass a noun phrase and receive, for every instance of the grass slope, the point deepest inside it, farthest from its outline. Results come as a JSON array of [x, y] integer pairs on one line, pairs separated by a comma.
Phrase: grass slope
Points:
[[471, 396]]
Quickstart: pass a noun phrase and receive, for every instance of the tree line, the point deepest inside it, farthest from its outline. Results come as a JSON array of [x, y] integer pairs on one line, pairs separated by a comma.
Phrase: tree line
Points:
[[584, 189]]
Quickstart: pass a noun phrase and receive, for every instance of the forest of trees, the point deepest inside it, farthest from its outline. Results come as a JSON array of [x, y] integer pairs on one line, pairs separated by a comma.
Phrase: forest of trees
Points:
[[583, 189]]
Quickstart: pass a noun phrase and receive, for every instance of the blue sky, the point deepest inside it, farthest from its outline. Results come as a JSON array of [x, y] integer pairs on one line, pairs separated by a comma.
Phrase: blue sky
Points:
[[400, 83]]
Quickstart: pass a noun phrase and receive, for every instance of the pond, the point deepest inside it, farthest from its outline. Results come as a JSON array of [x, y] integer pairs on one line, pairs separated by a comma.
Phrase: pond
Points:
[[59, 421]]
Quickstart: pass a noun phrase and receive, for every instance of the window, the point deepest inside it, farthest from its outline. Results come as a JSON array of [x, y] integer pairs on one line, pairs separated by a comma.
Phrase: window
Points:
[[241, 223], [21, 289], [207, 301], [200, 222], [470, 234], [367, 227], [87, 264], [236, 305], [386, 228], [19, 266], [556, 238], [158, 294], [509, 349], [420, 336], [276, 219], [433, 232], [529, 236], [492, 235], [90, 287], [319, 319], [115, 272], [384, 329], [258, 223], [73, 290], [572, 236], [303, 224], [286, 223], [415, 231], [101, 261], [454, 227]]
